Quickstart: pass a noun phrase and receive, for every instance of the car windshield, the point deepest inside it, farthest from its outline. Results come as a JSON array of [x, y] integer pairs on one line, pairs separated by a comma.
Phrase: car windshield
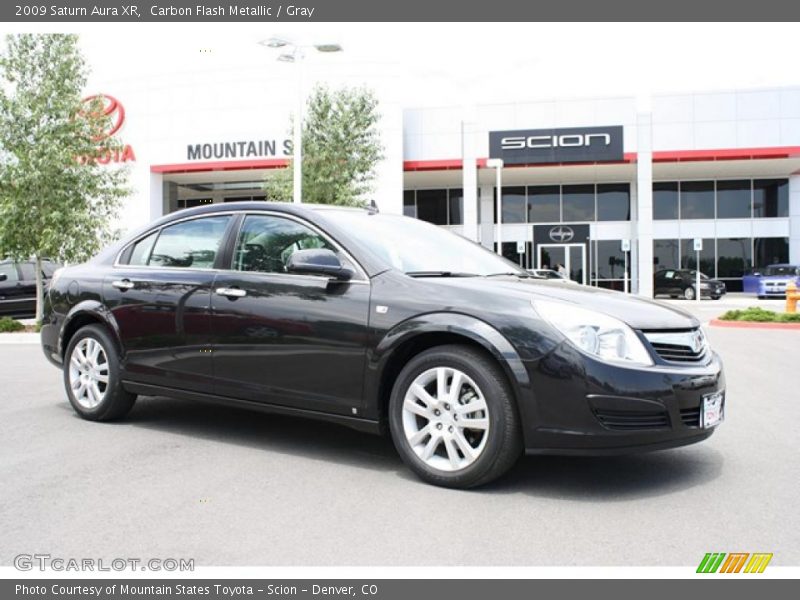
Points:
[[419, 248], [780, 270]]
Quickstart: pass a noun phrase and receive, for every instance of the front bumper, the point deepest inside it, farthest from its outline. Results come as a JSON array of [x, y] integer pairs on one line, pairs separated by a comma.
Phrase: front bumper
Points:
[[712, 292], [578, 405]]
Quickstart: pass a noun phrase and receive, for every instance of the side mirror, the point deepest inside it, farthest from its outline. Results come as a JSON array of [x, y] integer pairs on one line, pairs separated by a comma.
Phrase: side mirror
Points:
[[3, 276], [318, 261]]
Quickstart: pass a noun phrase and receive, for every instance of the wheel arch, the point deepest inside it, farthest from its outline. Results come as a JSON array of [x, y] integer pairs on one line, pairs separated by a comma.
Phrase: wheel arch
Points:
[[407, 339], [85, 313]]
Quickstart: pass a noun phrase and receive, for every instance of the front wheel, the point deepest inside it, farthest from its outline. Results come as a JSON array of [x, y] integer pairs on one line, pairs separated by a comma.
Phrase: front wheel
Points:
[[92, 378], [453, 419], [688, 293]]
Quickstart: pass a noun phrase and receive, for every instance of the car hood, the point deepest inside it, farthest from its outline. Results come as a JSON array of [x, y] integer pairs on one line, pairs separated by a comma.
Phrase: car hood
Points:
[[636, 311], [778, 277]]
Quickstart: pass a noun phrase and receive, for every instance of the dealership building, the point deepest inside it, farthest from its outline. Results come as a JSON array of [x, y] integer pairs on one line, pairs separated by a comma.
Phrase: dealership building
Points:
[[593, 184]]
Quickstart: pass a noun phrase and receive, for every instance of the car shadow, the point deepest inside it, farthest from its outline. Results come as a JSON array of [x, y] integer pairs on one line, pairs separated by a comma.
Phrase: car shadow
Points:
[[591, 479], [613, 478]]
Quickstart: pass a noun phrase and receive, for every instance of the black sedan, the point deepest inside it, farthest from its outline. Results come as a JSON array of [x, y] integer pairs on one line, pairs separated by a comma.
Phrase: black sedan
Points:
[[18, 286], [382, 323], [682, 283]]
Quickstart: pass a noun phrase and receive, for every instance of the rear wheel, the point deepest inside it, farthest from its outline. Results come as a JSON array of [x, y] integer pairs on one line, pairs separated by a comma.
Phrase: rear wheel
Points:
[[91, 376], [688, 293], [453, 419]]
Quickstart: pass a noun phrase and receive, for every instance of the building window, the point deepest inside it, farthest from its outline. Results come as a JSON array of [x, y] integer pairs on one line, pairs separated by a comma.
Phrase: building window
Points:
[[440, 207], [455, 198], [771, 198], [768, 251], [665, 200], [608, 260], [544, 204], [734, 199], [410, 204], [432, 206], [689, 256], [613, 202], [514, 205], [734, 259], [666, 254], [578, 203], [697, 200], [192, 202]]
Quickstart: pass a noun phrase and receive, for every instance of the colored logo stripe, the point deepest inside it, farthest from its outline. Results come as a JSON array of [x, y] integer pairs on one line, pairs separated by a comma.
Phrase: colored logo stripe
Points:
[[734, 562], [758, 562], [712, 562]]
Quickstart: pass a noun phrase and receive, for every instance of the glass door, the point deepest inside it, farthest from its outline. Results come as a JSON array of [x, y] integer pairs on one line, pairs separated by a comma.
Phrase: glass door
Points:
[[572, 257]]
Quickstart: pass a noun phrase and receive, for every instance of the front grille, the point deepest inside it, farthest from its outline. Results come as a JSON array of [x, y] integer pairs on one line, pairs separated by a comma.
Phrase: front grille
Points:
[[690, 417], [679, 346], [627, 420]]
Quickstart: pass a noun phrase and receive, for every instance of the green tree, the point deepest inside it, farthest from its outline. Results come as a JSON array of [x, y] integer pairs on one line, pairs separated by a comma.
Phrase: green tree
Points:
[[56, 200], [341, 147]]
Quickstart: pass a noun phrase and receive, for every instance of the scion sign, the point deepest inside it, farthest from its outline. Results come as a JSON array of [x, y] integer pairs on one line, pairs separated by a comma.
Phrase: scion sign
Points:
[[543, 146]]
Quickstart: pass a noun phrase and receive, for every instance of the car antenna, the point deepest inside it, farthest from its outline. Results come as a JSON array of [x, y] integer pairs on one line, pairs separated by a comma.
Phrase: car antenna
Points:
[[372, 208]]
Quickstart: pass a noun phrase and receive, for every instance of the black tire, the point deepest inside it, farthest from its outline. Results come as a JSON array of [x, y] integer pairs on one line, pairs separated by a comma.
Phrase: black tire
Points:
[[674, 297], [116, 401], [716, 297], [689, 293], [761, 297], [504, 442]]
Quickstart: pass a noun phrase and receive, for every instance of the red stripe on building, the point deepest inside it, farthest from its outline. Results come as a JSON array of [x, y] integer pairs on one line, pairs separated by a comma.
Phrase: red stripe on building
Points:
[[727, 154], [222, 165], [630, 157]]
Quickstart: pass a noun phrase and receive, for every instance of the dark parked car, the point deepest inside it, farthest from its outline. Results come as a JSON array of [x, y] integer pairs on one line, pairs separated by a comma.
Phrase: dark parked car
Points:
[[682, 283], [378, 322], [18, 286]]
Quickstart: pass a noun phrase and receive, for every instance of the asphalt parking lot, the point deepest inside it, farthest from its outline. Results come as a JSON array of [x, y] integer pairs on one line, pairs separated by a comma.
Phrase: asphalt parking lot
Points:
[[230, 487]]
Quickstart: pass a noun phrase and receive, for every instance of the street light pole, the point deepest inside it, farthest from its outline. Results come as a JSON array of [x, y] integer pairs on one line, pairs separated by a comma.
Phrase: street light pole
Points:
[[297, 137], [497, 165], [296, 55]]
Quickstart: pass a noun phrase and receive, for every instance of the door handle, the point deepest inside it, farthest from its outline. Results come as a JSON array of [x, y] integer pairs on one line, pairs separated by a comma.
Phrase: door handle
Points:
[[231, 292], [122, 284]]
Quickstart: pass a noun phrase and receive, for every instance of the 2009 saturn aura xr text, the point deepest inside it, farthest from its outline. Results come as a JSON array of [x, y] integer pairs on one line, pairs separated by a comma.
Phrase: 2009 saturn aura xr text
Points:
[[379, 322]]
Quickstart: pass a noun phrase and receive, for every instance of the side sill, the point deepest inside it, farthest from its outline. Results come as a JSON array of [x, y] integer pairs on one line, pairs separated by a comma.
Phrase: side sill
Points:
[[146, 389]]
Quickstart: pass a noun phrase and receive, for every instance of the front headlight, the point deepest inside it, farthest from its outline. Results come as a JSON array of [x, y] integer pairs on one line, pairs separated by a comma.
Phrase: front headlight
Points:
[[595, 333]]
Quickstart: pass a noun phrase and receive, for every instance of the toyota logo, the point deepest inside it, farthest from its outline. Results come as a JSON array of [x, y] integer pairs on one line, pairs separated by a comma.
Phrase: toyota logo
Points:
[[562, 233], [111, 108]]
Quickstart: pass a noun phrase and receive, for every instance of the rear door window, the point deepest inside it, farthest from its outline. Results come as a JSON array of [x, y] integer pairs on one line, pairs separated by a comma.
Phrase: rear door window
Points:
[[191, 244]]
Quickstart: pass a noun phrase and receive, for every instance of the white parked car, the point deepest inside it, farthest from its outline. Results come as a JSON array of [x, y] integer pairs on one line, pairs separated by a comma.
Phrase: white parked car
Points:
[[551, 274]]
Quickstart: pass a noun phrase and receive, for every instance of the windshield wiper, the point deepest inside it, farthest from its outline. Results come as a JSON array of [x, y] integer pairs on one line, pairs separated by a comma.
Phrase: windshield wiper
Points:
[[510, 274], [440, 274]]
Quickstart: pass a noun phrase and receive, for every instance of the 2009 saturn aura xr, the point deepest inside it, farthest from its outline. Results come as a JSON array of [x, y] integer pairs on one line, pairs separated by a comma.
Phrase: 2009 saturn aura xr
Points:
[[378, 322]]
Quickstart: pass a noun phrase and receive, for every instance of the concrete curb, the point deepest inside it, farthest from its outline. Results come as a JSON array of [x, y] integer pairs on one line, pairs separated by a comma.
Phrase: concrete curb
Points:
[[19, 338], [753, 325]]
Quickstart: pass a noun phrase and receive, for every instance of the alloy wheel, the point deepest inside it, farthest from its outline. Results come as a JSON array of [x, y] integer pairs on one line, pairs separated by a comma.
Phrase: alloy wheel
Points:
[[688, 293], [445, 419], [88, 373]]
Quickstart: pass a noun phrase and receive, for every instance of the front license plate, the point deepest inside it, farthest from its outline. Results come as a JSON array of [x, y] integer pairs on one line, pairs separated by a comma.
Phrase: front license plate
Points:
[[713, 409]]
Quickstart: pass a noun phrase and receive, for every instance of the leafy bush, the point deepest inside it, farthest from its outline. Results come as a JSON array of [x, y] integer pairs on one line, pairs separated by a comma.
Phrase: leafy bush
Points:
[[760, 315], [9, 325]]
